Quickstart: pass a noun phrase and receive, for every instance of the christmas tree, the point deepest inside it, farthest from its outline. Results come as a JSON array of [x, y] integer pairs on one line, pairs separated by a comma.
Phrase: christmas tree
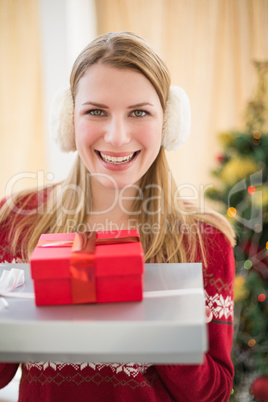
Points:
[[242, 191]]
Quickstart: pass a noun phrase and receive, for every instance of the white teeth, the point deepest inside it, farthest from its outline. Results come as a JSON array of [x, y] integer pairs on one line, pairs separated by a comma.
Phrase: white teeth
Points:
[[117, 160]]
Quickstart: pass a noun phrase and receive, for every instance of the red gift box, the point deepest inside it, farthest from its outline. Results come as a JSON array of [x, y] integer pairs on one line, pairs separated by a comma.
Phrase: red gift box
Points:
[[95, 267]]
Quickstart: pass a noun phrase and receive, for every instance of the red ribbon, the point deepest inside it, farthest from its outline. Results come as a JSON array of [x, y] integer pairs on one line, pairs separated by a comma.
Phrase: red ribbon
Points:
[[82, 268], [82, 258]]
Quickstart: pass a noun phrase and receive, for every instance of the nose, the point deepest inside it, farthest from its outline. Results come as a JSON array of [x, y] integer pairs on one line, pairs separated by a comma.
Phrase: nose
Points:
[[117, 133]]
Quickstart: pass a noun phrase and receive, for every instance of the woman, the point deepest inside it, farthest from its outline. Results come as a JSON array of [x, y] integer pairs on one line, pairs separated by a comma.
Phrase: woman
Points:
[[119, 115]]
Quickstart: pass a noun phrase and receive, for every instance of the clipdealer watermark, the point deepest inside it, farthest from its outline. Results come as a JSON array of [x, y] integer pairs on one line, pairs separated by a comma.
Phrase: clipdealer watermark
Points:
[[145, 228], [195, 196], [121, 197]]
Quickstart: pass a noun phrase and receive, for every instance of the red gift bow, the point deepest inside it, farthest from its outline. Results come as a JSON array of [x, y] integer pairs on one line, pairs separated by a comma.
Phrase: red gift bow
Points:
[[82, 258]]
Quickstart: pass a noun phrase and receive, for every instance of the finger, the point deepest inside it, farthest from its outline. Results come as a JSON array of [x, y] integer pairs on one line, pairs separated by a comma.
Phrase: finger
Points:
[[209, 315]]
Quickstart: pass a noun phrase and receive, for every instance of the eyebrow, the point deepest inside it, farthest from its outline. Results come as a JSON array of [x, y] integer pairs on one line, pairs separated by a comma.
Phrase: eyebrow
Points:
[[101, 105], [140, 105], [96, 104]]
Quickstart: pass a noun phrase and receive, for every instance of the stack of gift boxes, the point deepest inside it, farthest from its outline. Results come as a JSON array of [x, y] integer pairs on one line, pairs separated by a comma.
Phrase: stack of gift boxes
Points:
[[107, 267]]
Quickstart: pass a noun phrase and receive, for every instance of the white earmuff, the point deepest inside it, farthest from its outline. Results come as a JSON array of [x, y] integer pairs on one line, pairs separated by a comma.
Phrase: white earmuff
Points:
[[177, 119]]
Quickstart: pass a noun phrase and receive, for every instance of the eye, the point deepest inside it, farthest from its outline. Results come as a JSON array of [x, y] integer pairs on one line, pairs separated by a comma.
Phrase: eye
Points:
[[96, 112], [139, 113]]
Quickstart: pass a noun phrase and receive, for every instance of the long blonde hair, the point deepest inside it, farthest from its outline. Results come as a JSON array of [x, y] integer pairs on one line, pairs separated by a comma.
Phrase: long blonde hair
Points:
[[69, 201]]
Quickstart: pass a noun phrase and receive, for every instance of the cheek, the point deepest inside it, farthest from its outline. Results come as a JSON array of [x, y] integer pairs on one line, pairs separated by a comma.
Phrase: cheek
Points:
[[151, 136], [85, 133]]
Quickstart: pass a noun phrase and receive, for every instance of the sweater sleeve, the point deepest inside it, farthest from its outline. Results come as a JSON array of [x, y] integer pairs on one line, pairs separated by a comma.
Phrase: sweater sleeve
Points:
[[7, 372], [212, 380]]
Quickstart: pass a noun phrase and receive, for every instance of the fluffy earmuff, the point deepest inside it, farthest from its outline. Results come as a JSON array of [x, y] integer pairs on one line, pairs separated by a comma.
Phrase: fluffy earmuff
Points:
[[176, 127], [177, 119], [62, 120]]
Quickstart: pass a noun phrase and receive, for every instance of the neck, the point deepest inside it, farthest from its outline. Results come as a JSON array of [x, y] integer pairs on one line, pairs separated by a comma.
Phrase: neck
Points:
[[110, 208]]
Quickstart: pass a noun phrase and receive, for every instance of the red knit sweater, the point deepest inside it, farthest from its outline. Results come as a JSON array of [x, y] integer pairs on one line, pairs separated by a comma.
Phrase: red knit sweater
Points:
[[211, 381]]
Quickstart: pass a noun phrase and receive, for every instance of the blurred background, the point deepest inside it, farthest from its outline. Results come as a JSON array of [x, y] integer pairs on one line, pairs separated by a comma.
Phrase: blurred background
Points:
[[217, 50]]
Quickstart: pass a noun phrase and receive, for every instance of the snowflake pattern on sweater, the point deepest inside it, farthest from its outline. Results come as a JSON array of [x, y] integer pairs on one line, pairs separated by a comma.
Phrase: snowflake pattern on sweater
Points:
[[131, 369], [221, 307]]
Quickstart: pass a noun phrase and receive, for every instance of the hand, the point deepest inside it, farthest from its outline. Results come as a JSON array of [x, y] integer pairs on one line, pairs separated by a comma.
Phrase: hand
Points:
[[209, 315]]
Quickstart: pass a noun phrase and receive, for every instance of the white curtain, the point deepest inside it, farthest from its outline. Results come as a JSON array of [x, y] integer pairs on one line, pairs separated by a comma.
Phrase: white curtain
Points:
[[21, 117]]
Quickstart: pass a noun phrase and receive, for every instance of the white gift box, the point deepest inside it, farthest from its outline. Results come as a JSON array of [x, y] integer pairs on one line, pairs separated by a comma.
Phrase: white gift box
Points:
[[168, 326]]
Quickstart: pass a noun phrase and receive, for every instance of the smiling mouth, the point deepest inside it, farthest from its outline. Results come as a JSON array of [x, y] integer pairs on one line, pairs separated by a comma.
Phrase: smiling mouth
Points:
[[117, 160]]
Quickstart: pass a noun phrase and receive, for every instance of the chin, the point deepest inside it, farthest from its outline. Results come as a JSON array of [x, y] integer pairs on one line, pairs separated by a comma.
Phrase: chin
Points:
[[110, 183]]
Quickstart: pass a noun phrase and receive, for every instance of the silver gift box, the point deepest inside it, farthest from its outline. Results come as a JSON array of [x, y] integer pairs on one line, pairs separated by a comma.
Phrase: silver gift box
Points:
[[168, 326]]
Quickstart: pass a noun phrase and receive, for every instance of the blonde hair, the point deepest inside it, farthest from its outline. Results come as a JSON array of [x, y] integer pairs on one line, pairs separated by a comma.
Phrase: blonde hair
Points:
[[61, 204], [123, 50]]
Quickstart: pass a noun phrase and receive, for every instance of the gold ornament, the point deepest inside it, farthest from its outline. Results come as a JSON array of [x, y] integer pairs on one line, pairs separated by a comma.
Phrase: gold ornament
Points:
[[226, 139], [237, 169], [240, 292]]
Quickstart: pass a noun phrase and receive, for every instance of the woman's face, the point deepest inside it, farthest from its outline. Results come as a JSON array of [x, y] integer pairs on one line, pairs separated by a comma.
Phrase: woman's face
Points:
[[118, 122]]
